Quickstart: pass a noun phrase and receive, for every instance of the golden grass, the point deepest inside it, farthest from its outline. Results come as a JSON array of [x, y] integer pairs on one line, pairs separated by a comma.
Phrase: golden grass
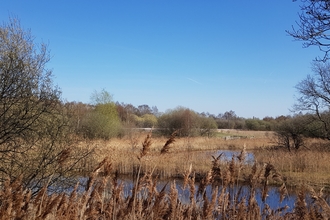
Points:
[[103, 197], [310, 166], [249, 134], [183, 153], [304, 166], [252, 140]]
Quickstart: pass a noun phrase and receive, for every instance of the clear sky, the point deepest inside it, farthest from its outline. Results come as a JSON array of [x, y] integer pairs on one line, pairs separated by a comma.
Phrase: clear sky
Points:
[[209, 56]]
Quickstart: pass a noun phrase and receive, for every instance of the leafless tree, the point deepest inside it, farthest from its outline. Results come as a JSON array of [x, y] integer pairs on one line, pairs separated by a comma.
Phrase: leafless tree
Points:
[[313, 28], [315, 95], [35, 144], [314, 25]]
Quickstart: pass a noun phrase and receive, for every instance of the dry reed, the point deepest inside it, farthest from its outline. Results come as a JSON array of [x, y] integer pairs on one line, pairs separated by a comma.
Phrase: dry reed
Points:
[[103, 196]]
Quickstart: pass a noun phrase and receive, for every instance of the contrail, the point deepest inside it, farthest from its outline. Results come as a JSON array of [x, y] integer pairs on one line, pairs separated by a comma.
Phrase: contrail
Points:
[[267, 79], [194, 81]]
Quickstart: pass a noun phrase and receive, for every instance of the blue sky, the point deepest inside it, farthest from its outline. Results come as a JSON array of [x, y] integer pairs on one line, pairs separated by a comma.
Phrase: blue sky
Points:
[[209, 56]]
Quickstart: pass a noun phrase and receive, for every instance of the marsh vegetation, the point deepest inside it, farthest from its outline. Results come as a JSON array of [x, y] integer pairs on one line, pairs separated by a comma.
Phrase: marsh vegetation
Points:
[[228, 189], [61, 160]]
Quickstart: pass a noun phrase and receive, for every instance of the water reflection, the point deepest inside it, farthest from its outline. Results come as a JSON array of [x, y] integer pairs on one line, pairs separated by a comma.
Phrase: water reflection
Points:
[[237, 193], [273, 200], [229, 154]]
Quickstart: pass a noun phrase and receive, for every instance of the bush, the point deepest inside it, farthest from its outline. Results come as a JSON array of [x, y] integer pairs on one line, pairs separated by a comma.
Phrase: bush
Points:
[[186, 122]]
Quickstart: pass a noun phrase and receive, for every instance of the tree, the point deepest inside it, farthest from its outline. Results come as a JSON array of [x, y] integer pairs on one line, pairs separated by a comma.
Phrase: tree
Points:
[[77, 111], [26, 92], [126, 113], [144, 109], [180, 119], [229, 120], [315, 95], [231, 115], [149, 121], [35, 142], [290, 133], [186, 122], [313, 30], [207, 125], [103, 121], [101, 98], [257, 125], [314, 25], [155, 111]]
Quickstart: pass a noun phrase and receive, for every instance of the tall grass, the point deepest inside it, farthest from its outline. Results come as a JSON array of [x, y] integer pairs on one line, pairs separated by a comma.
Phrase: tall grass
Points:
[[304, 166], [183, 152], [103, 196], [308, 165]]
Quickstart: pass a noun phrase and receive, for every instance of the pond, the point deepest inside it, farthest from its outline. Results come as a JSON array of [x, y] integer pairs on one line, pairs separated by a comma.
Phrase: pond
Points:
[[229, 154], [273, 199], [236, 192]]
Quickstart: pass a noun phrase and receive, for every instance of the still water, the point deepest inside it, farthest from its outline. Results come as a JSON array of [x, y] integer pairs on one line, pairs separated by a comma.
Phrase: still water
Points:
[[272, 200], [229, 154]]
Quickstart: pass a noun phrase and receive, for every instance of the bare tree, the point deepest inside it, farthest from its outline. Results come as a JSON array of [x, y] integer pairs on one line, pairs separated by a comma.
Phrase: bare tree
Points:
[[314, 30], [315, 95], [314, 25], [35, 142]]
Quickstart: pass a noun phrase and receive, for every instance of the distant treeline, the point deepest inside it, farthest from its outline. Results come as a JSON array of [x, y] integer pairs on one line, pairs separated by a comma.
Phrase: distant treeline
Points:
[[110, 119]]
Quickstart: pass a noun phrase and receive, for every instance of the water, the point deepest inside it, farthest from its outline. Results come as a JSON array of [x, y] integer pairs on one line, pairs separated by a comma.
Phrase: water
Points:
[[273, 200], [229, 154]]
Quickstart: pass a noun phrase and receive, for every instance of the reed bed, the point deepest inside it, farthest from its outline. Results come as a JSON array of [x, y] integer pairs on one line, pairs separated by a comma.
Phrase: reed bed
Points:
[[309, 164], [103, 196], [303, 166], [183, 152]]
